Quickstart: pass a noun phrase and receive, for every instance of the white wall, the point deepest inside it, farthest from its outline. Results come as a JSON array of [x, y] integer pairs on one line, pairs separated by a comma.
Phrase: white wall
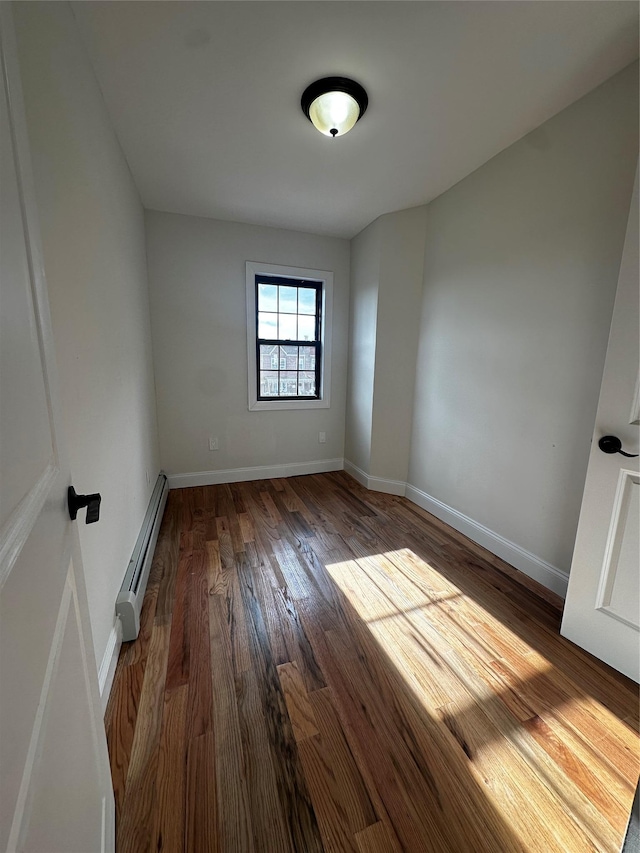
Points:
[[363, 324], [198, 312], [386, 290], [402, 242], [521, 265], [94, 251]]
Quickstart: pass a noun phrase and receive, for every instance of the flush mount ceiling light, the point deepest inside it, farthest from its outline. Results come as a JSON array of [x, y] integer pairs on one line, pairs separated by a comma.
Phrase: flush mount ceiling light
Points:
[[334, 104]]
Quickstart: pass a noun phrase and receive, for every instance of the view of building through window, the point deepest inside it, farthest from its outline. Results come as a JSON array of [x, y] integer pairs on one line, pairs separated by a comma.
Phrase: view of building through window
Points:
[[296, 376], [288, 338]]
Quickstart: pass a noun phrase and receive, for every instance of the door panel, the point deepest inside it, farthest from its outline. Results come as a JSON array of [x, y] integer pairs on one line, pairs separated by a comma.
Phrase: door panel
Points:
[[55, 786], [25, 425], [61, 776], [27, 624], [619, 591], [602, 608]]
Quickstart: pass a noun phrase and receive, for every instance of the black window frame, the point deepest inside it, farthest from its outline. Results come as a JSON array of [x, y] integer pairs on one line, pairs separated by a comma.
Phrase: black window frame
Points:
[[317, 344]]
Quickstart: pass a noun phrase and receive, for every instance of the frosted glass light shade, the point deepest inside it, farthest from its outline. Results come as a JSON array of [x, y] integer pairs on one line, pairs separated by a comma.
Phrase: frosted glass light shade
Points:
[[334, 104], [334, 113]]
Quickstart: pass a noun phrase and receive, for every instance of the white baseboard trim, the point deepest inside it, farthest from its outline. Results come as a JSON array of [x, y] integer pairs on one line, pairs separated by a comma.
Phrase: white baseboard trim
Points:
[[376, 484], [357, 473], [108, 665], [260, 472], [536, 568]]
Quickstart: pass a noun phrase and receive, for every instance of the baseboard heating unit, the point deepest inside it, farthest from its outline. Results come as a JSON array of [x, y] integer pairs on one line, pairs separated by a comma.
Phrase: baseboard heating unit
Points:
[[129, 601]]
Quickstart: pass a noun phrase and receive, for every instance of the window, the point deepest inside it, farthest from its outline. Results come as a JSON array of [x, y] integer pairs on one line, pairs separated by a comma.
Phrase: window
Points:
[[288, 314], [289, 317]]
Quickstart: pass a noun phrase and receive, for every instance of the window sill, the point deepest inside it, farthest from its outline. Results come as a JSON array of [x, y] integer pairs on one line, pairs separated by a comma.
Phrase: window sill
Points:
[[277, 405]]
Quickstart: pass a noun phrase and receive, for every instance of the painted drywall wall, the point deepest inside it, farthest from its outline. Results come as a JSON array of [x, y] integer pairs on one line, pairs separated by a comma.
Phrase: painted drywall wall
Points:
[[402, 244], [387, 261], [198, 312], [363, 323], [521, 265], [94, 252]]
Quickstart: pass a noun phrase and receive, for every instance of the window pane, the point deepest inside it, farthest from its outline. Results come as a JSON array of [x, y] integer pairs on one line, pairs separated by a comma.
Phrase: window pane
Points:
[[307, 358], [288, 357], [267, 297], [267, 325], [288, 383], [306, 327], [306, 300], [287, 327], [267, 353], [268, 383], [306, 384], [288, 300]]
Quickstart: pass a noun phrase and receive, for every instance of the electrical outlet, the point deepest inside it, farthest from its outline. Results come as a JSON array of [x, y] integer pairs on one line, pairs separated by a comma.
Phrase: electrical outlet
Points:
[[213, 443], [322, 438]]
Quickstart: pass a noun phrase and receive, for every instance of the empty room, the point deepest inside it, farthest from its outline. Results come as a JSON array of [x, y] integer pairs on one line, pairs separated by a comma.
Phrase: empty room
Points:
[[319, 426]]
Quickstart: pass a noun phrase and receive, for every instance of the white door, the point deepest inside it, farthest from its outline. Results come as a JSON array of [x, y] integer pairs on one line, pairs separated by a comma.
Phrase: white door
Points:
[[55, 787], [602, 610]]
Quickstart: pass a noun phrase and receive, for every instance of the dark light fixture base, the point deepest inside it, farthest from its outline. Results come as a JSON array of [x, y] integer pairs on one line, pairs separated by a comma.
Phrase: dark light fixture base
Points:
[[334, 84]]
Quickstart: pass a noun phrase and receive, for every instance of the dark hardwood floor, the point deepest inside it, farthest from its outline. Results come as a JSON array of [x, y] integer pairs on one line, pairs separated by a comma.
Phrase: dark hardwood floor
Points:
[[325, 668]]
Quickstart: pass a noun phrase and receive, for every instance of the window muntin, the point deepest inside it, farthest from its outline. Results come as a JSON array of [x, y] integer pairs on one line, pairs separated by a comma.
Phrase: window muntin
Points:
[[288, 335]]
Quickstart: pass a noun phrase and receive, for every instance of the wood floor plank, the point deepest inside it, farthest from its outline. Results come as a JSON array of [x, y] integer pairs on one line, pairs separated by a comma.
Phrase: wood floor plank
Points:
[[235, 823], [296, 642], [271, 507], [424, 803], [350, 787], [533, 618], [293, 571], [120, 724], [200, 704], [271, 825], [171, 794], [201, 834], [472, 705], [325, 668], [137, 823], [601, 786], [548, 690], [375, 839], [225, 543], [178, 664], [326, 528], [217, 576], [329, 808], [300, 709], [261, 516], [294, 795], [166, 555], [292, 517], [246, 527]]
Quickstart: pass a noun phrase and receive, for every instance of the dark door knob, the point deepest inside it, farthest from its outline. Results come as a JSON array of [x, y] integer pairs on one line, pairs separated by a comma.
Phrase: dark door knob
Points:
[[76, 502], [612, 444]]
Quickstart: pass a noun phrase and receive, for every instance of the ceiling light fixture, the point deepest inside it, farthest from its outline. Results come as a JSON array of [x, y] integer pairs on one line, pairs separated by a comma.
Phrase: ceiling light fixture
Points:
[[334, 104]]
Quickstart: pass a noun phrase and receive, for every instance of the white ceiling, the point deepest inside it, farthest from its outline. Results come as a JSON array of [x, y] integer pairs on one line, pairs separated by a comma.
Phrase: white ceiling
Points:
[[205, 96]]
